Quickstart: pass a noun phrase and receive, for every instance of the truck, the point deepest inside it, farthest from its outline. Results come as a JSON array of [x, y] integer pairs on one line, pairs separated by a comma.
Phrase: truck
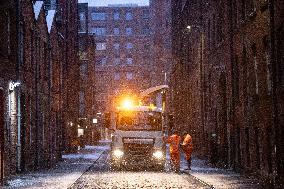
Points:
[[138, 125]]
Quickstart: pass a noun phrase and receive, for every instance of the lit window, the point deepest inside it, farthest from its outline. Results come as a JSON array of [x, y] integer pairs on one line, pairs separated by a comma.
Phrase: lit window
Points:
[[98, 16], [129, 75], [128, 31], [128, 16], [116, 16], [129, 61], [101, 46], [129, 45], [116, 31], [99, 31], [116, 76]]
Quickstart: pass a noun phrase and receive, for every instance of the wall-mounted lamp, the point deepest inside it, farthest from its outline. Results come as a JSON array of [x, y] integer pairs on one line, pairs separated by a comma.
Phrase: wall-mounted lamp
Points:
[[12, 85], [189, 28]]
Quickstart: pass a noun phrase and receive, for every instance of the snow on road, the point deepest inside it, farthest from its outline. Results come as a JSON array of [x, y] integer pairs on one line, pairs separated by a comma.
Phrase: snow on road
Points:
[[133, 180], [62, 175]]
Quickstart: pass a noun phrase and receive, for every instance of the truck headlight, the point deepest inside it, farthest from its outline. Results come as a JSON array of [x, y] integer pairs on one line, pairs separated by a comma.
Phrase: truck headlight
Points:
[[118, 153], [158, 154]]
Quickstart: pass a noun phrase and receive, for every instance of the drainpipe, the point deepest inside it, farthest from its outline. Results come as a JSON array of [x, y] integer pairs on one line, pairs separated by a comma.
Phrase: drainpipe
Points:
[[276, 126], [18, 91]]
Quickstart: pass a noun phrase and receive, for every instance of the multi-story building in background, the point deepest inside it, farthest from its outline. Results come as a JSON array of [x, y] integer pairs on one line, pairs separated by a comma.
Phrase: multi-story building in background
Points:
[[126, 58], [123, 58]]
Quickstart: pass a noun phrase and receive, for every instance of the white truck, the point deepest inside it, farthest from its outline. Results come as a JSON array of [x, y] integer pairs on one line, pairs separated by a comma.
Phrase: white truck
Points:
[[138, 127]]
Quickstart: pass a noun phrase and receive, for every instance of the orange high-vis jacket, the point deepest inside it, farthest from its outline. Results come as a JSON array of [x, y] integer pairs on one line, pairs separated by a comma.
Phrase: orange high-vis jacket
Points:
[[187, 146], [174, 141]]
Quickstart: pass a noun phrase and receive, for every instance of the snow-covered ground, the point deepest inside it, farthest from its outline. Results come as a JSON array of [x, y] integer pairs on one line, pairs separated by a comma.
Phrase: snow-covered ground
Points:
[[63, 175], [66, 172], [221, 178]]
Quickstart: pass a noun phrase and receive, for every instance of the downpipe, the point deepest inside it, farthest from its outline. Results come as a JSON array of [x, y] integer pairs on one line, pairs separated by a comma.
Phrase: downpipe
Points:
[[18, 89]]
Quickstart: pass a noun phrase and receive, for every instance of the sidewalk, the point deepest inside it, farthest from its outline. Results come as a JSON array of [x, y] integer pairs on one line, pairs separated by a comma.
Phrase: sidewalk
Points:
[[64, 174], [219, 178]]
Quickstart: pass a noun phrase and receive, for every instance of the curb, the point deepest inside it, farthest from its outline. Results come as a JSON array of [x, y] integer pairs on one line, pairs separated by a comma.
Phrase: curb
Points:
[[87, 169]]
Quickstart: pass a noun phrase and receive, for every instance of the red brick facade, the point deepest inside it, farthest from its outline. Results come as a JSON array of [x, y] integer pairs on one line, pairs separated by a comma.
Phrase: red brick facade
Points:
[[239, 79], [33, 54]]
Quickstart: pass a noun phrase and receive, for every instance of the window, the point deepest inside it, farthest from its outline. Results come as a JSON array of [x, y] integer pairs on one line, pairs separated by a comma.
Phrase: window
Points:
[[116, 61], [129, 61], [82, 16], [129, 75], [83, 71], [128, 16], [102, 61], [116, 16], [147, 46], [99, 16], [146, 14], [82, 103], [116, 76], [99, 31], [101, 46], [128, 31], [146, 31], [116, 46], [116, 31], [129, 45]]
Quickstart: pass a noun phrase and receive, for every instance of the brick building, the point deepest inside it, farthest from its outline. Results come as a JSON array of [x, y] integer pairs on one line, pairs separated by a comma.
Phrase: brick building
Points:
[[87, 78], [160, 13], [133, 49], [32, 84], [231, 60], [67, 23], [8, 67], [123, 57]]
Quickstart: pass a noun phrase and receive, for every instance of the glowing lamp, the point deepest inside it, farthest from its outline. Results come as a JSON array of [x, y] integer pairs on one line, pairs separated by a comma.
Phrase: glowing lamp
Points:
[[127, 104]]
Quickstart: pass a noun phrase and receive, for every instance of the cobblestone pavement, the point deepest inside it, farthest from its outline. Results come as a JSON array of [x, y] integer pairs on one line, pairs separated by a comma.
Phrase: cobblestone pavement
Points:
[[100, 177], [70, 173]]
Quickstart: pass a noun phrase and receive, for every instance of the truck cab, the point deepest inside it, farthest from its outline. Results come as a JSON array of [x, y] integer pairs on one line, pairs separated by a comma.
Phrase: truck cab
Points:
[[138, 131]]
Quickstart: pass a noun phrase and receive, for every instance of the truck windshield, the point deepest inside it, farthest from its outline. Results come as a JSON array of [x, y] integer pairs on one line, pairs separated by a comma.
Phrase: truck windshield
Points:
[[149, 121]]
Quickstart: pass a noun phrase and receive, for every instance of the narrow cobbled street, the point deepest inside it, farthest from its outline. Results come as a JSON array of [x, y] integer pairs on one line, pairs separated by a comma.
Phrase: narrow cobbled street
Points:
[[89, 168]]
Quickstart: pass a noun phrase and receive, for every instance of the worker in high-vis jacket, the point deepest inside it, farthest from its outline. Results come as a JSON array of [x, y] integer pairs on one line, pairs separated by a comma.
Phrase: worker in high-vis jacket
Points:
[[187, 148], [174, 141]]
